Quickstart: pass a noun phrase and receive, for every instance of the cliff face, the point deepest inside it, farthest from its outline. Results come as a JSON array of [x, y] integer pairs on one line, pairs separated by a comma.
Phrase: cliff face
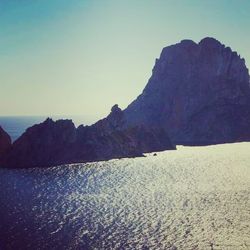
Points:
[[198, 92], [52, 143], [5, 141]]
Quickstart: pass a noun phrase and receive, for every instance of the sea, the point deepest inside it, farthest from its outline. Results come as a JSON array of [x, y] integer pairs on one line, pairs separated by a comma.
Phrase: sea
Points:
[[189, 198], [15, 126]]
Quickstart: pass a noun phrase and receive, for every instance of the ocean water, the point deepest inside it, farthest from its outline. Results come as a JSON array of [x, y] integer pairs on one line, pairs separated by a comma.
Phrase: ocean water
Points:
[[16, 125], [192, 198]]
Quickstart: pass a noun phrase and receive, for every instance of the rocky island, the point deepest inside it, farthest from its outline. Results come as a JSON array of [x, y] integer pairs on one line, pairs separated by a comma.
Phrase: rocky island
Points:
[[198, 94]]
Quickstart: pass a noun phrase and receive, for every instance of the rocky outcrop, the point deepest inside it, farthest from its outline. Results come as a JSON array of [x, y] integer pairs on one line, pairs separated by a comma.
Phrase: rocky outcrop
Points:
[[198, 92], [5, 141], [59, 142], [41, 144]]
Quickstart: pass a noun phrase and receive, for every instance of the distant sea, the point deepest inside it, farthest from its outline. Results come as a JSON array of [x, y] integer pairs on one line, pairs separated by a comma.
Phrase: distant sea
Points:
[[15, 126]]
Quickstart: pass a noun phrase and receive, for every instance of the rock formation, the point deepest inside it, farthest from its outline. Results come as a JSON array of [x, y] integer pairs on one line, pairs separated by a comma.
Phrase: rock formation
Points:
[[198, 92], [5, 141], [59, 142]]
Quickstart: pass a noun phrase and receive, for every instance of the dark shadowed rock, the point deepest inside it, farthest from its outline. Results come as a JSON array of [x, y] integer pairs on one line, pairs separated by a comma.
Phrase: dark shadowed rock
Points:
[[5, 141], [198, 92], [52, 143], [42, 144], [114, 121]]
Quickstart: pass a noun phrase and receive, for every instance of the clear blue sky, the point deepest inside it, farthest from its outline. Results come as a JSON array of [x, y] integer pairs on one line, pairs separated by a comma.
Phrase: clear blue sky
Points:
[[61, 57]]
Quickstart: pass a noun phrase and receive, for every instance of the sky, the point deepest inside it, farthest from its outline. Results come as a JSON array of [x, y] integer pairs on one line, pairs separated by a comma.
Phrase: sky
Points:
[[80, 57]]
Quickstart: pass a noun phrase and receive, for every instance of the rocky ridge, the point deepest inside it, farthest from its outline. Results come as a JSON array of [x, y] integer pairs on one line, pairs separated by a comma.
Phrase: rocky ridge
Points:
[[60, 142]]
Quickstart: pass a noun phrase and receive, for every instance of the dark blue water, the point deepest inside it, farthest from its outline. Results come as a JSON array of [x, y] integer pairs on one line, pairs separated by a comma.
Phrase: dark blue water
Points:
[[191, 198], [16, 125]]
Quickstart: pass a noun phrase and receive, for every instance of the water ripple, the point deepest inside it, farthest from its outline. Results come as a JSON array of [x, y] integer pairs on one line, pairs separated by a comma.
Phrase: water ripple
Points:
[[192, 198]]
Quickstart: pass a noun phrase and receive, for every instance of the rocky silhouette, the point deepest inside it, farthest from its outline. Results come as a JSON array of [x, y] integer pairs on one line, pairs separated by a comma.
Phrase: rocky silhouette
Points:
[[59, 142], [5, 141], [198, 92]]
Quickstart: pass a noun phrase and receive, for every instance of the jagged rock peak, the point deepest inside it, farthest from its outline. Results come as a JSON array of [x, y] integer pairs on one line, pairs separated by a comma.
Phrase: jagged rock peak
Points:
[[188, 42], [115, 109], [61, 122], [116, 113], [48, 120], [114, 120], [210, 42], [205, 43]]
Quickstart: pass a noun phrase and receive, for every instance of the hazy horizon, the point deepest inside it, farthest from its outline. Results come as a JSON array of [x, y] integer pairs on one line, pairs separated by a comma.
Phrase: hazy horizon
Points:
[[68, 58]]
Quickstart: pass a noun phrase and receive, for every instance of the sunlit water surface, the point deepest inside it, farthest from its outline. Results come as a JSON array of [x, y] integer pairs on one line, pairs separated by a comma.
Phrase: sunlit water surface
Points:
[[192, 198]]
